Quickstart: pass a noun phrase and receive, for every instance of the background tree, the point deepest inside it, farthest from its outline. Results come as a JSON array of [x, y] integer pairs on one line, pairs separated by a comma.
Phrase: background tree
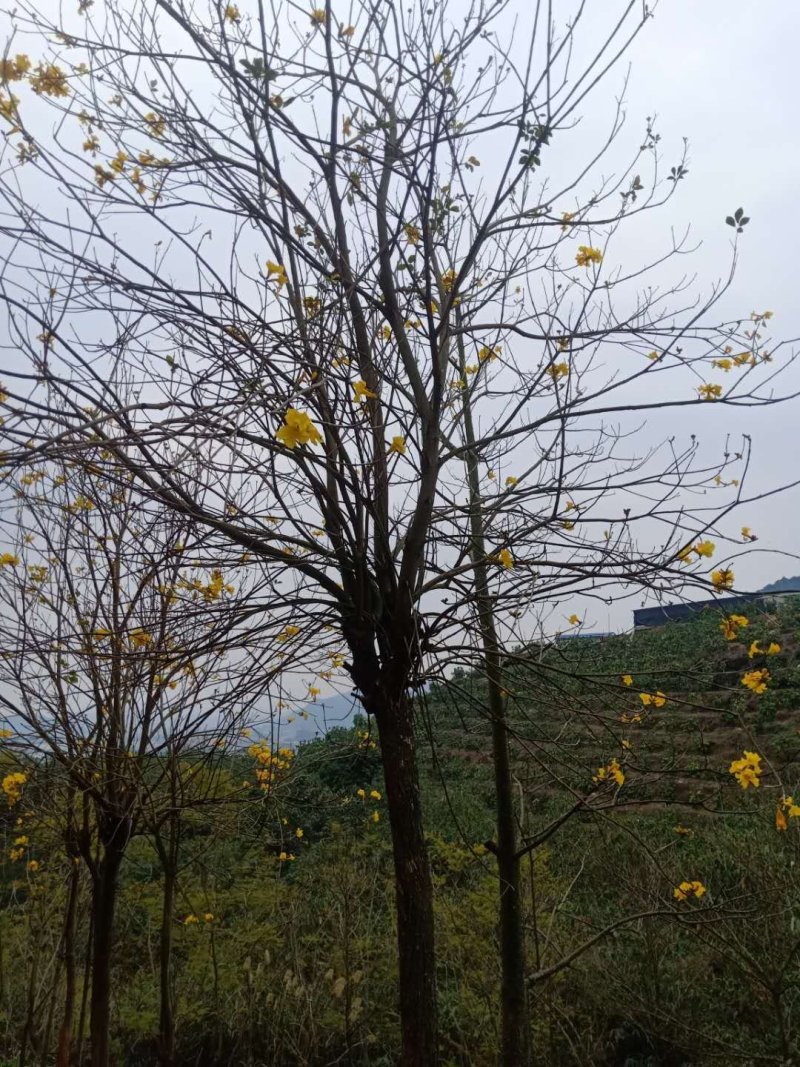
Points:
[[123, 673]]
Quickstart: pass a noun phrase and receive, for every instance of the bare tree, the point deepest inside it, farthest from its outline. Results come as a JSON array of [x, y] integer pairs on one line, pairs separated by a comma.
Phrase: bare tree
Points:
[[306, 239], [123, 671]]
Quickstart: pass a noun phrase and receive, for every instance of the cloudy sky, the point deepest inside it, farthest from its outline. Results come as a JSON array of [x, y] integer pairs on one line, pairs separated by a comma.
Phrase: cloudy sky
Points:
[[711, 72]]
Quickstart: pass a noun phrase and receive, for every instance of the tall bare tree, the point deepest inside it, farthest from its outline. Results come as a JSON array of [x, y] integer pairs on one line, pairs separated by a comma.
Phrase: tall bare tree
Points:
[[305, 238]]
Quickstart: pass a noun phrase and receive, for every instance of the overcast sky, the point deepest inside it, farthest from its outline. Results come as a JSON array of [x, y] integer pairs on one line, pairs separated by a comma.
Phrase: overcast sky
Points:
[[713, 72]]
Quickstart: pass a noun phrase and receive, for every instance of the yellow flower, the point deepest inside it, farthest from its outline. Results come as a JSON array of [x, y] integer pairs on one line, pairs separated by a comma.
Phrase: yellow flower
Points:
[[505, 558], [33, 866], [704, 548], [687, 889], [362, 391], [772, 649], [412, 233], [611, 770], [208, 917], [398, 446], [190, 920], [756, 680], [14, 70], [232, 13], [287, 632], [511, 480], [487, 354], [684, 831], [279, 271], [361, 793], [7, 559], [558, 370], [12, 786], [747, 770], [587, 255], [374, 794], [298, 833], [566, 219], [448, 280], [298, 429], [786, 807], [375, 816], [709, 392], [722, 364], [657, 699], [627, 679], [49, 80], [318, 16], [731, 626], [313, 692], [723, 578], [140, 638], [574, 620], [286, 857]]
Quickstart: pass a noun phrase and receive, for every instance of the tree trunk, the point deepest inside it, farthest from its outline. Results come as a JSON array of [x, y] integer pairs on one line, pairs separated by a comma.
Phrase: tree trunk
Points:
[[413, 885], [105, 898], [513, 991], [64, 1047], [166, 1025]]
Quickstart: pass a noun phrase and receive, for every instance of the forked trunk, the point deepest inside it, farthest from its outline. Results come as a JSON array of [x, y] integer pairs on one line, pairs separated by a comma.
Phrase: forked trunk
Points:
[[413, 886], [105, 898]]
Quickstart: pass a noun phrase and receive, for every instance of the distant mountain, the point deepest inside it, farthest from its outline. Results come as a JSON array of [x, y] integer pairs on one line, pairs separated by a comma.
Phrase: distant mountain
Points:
[[336, 710], [783, 585]]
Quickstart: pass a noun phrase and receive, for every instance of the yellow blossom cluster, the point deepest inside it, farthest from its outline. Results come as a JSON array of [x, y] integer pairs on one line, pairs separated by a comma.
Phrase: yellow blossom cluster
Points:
[[49, 80], [709, 392], [722, 578], [747, 771], [211, 590], [732, 625], [689, 889], [587, 255], [503, 557], [288, 632], [772, 649], [658, 699], [611, 772], [558, 370], [14, 70], [786, 808], [362, 391], [756, 681], [365, 740], [298, 429], [13, 785], [278, 271], [272, 765], [487, 354]]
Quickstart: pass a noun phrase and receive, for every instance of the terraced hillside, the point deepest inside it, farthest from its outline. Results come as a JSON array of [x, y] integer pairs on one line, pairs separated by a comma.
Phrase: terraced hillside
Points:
[[576, 704]]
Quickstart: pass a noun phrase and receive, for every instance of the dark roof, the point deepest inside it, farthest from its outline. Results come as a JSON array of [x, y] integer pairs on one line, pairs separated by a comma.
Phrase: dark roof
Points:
[[657, 616]]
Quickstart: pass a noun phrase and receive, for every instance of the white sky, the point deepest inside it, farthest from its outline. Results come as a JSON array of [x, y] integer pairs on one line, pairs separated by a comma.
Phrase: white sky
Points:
[[718, 74]]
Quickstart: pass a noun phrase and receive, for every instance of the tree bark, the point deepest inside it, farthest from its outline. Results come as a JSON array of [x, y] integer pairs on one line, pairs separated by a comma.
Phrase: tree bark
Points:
[[64, 1047], [513, 991], [105, 898], [413, 885], [166, 1025]]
